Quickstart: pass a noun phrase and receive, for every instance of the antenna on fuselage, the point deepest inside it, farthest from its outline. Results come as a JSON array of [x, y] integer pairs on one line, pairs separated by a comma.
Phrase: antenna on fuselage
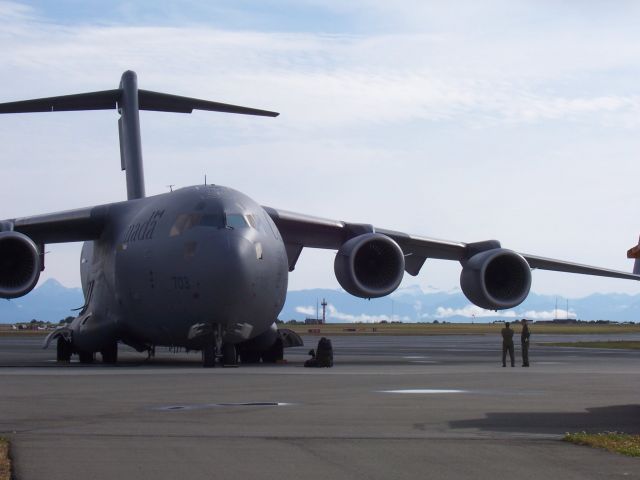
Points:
[[129, 101]]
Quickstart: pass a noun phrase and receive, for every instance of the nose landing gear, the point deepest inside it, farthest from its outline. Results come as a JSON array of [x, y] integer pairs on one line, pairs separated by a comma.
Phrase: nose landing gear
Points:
[[212, 347], [229, 355]]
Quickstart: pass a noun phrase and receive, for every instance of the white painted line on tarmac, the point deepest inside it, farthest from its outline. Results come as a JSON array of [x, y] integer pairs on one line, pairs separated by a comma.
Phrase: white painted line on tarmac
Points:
[[414, 357], [423, 391], [171, 408]]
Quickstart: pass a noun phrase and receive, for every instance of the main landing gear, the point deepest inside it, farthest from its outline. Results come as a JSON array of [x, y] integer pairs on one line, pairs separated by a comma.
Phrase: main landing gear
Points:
[[87, 357], [110, 354], [64, 350]]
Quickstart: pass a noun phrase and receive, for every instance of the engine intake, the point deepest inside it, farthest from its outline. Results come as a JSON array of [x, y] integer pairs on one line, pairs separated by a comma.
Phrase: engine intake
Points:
[[496, 279], [19, 264], [369, 265]]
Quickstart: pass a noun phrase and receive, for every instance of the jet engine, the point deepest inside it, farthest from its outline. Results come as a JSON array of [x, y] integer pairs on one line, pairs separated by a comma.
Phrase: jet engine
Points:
[[496, 279], [19, 264], [370, 265]]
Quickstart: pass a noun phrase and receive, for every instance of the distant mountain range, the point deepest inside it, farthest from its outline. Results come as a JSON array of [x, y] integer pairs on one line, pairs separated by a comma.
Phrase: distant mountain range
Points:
[[52, 301]]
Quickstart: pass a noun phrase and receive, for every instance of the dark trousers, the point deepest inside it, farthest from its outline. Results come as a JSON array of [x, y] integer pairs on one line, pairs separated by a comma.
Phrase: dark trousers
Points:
[[525, 353], [507, 347]]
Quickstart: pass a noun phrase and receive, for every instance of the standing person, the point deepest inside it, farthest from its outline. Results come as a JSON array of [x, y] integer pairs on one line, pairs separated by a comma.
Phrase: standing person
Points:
[[524, 340], [507, 345]]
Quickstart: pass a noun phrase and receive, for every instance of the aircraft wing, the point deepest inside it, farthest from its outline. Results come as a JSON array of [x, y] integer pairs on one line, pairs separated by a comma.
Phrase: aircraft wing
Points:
[[23, 240], [543, 263], [299, 230], [67, 226]]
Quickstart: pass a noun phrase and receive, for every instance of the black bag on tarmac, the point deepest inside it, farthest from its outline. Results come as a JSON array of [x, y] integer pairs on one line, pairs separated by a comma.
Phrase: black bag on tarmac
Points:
[[324, 353]]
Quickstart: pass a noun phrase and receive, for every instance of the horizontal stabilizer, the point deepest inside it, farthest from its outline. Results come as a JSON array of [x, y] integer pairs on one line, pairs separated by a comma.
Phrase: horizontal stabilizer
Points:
[[128, 99], [163, 102], [109, 99], [104, 100]]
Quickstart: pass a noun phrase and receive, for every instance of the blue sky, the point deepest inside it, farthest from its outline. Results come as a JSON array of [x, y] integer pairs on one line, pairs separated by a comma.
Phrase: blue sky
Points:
[[466, 120], [272, 16]]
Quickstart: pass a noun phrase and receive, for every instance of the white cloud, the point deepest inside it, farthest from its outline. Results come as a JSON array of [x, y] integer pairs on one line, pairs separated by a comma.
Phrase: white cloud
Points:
[[548, 314], [374, 79], [333, 315], [306, 310], [13, 11], [473, 311]]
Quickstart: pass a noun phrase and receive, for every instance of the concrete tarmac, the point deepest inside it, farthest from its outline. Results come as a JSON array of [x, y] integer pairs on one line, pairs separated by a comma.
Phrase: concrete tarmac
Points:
[[392, 407]]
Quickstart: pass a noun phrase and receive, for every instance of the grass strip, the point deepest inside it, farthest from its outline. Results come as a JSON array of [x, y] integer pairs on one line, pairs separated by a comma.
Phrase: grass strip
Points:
[[5, 461], [622, 443], [455, 329], [422, 329], [619, 344]]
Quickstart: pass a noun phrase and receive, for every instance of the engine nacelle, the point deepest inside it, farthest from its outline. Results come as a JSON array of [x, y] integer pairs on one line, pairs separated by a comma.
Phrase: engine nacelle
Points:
[[369, 265], [496, 279], [19, 264]]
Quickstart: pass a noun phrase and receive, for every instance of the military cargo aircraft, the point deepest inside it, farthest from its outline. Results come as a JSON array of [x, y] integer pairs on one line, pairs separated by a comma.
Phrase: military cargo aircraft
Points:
[[206, 267]]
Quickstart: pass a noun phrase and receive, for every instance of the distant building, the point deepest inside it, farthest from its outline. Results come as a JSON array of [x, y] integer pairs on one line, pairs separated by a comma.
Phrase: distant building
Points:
[[558, 321], [318, 321]]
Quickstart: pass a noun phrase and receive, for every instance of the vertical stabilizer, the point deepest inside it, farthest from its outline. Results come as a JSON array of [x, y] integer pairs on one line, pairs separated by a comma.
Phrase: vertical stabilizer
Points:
[[129, 101], [130, 141], [634, 252]]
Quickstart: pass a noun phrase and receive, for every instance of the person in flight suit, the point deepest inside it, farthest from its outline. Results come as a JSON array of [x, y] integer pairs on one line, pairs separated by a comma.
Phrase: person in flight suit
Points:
[[507, 345], [524, 340]]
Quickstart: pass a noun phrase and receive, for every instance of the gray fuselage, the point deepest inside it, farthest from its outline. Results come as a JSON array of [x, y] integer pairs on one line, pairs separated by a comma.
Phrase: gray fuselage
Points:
[[199, 255]]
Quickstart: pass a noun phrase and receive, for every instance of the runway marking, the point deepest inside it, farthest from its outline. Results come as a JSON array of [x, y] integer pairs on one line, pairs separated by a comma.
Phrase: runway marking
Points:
[[172, 408], [423, 391], [424, 361], [414, 357]]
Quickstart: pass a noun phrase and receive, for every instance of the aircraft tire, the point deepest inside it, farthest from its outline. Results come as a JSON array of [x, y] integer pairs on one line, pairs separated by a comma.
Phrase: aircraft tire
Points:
[[63, 350], [86, 357], [274, 353], [208, 356], [110, 354], [229, 355], [250, 356]]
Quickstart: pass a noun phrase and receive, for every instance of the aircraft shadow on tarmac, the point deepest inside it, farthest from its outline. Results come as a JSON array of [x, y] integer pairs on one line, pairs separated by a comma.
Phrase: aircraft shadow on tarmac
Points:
[[618, 418]]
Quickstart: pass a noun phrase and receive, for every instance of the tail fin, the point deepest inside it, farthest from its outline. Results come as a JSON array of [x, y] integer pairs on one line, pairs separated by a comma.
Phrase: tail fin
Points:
[[634, 252], [128, 100]]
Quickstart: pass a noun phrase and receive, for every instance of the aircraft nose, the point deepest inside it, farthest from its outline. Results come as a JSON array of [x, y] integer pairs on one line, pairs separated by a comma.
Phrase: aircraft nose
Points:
[[233, 272]]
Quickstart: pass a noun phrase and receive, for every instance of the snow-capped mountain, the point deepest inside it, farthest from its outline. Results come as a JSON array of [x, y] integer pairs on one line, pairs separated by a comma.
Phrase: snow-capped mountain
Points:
[[52, 301]]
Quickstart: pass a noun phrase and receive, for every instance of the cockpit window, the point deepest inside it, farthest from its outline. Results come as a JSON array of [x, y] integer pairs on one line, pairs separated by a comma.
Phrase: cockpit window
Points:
[[236, 220], [212, 220], [185, 221], [251, 219]]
